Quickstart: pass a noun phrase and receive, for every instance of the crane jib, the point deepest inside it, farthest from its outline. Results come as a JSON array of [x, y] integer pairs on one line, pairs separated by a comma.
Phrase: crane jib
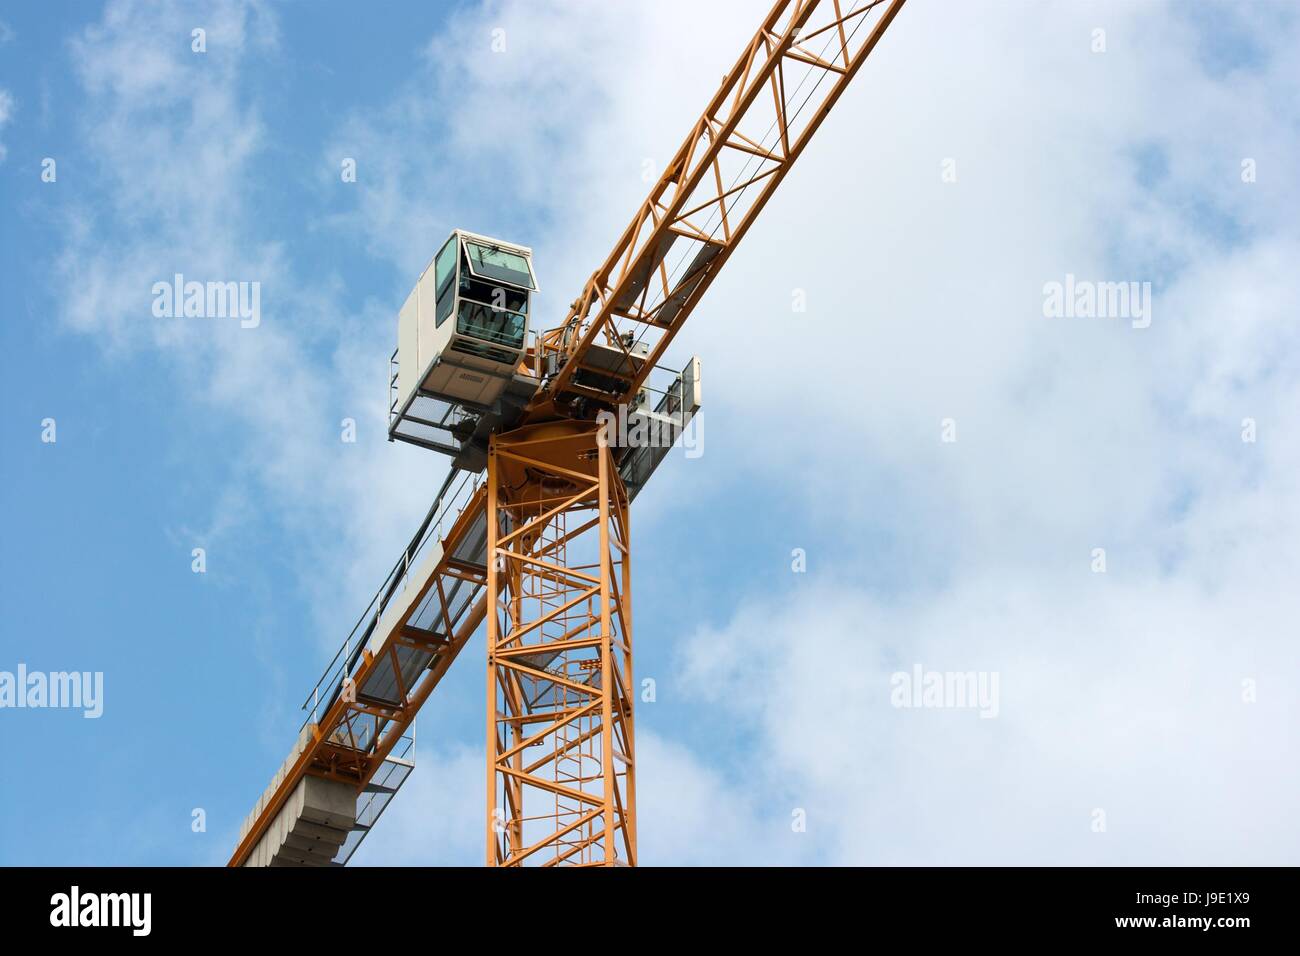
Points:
[[731, 162]]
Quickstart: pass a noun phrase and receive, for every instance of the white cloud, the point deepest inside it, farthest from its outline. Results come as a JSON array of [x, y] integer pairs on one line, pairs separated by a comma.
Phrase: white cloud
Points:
[[688, 814], [177, 137], [691, 813], [1121, 696], [436, 819], [6, 114]]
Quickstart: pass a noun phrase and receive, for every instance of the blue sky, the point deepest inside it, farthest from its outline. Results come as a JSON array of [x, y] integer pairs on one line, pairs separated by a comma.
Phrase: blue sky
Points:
[[1120, 692]]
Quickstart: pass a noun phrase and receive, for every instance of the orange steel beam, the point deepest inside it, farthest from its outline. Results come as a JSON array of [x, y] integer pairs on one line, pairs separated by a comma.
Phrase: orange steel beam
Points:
[[559, 652], [327, 754], [804, 54]]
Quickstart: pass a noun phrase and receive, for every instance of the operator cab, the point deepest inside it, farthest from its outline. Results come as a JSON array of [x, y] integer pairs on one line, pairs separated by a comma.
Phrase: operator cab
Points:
[[469, 316], [461, 341]]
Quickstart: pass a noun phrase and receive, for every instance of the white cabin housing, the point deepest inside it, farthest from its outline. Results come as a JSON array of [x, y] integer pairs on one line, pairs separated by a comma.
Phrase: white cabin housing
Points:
[[461, 338]]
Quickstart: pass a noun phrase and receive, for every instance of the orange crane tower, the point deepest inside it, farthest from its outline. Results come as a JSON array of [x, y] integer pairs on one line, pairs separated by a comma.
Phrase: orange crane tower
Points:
[[530, 532]]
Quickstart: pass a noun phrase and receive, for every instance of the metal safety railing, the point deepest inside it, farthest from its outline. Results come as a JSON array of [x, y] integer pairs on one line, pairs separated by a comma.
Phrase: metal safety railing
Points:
[[375, 798], [451, 500], [394, 394]]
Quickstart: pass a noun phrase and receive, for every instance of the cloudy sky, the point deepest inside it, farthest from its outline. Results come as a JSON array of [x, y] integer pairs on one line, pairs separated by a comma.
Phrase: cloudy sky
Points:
[[1100, 512]]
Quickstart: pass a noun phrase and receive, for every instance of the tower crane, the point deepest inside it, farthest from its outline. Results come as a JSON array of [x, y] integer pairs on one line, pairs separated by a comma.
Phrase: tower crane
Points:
[[529, 538]]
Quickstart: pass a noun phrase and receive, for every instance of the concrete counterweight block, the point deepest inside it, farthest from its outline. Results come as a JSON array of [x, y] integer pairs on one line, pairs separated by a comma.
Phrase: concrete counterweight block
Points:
[[311, 826]]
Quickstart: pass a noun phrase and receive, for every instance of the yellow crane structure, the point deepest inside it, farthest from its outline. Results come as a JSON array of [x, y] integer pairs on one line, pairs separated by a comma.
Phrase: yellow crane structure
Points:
[[530, 533]]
